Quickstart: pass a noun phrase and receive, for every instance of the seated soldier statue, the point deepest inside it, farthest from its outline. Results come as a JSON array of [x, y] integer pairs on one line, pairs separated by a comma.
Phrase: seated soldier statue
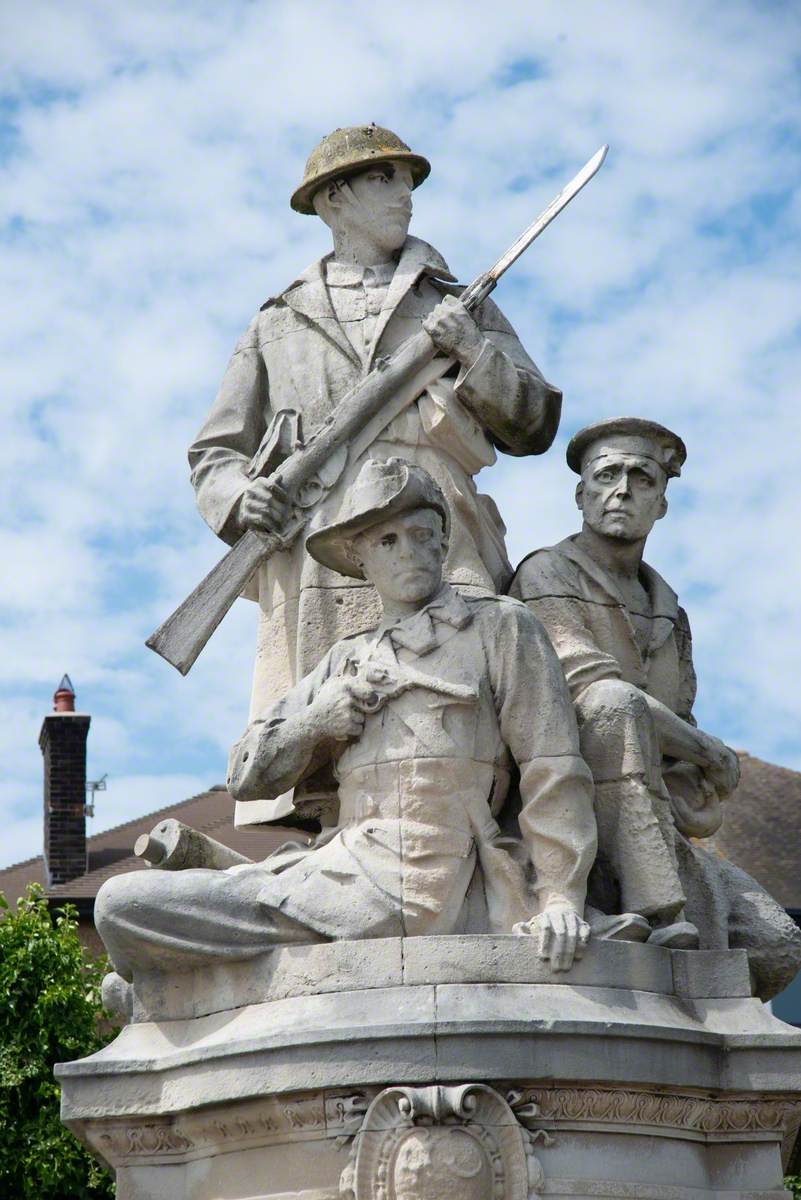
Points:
[[425, 718], [624, 644]]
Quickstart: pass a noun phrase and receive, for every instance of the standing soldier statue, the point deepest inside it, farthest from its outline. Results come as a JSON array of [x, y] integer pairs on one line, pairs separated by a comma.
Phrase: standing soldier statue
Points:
[[305, 350]]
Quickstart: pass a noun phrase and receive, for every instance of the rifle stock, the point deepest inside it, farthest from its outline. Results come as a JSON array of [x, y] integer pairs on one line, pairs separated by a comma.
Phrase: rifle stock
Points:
[[185, 632]]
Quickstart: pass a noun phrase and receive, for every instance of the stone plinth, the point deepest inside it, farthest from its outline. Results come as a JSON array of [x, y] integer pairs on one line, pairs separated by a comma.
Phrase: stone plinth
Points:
[[456, 1066]]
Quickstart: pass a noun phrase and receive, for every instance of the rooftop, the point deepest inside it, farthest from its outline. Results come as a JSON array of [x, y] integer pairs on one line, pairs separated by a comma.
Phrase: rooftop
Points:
[[111, 852]]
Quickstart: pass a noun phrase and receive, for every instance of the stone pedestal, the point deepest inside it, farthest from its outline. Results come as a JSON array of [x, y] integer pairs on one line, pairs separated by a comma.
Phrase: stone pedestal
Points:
[[445, 1067]]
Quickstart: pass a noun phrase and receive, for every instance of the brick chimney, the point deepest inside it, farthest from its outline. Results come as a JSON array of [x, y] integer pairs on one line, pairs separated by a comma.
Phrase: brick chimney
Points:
[[63, 745]]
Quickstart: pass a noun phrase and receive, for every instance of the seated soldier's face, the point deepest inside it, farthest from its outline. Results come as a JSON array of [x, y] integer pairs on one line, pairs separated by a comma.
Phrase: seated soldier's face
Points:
[[402, 556], [622, 495], [383, 204]]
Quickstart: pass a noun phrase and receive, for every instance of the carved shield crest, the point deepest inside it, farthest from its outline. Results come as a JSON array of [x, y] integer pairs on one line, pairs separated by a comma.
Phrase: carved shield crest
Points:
[[434, 1143]]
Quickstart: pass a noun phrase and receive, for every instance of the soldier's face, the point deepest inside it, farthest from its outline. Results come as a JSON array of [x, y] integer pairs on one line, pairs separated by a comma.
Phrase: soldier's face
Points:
[[402, 557], [622, 495], [377, 203]]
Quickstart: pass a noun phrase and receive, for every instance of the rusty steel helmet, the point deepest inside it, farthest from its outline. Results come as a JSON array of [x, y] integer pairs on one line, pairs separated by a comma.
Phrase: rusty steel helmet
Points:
[[347, 151]]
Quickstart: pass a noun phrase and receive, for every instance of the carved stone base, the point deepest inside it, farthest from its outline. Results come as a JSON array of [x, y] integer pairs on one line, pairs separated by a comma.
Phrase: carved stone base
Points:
[[446, 1067]]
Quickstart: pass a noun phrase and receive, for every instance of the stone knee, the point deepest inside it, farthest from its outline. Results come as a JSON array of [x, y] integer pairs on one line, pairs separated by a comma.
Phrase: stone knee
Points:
[[617, 732], [119, 902]]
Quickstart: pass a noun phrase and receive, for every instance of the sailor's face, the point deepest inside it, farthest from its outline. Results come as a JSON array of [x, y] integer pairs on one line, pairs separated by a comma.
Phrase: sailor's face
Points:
[[622, 495], [383, 203], [402, 556]]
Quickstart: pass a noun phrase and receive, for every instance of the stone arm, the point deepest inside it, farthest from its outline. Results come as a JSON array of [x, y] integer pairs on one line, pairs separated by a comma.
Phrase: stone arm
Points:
[[679, 738], [230, 437], [285, 744], [583, 661], [538, 725], [715, 770], [545, 589], [688, 683], [505, 391]]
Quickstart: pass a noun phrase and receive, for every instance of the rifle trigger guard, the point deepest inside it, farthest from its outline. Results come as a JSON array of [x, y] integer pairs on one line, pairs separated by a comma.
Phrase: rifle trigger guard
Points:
[[315, 488], [310, 493]]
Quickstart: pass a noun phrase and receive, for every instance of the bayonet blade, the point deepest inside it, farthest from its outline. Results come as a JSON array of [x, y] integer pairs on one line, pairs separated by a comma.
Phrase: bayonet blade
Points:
[[547, 215]]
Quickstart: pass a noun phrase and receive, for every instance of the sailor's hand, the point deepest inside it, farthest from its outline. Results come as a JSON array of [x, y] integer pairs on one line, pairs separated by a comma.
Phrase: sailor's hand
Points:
[[561, 932], [338, 708], [454, 332], [264, 506], [723, 768]]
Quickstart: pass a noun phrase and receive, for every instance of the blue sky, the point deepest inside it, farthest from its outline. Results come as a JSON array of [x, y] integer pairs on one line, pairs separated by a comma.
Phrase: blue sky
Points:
[[147, 154]]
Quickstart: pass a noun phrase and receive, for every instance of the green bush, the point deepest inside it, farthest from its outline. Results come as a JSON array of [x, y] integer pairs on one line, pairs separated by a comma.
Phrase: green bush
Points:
[[50, 1011], [793, 1184]]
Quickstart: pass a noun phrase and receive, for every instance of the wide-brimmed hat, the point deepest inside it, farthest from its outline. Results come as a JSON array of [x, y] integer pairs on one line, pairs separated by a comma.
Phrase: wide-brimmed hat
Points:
[[632, 434], [346, 151], [381, 490]]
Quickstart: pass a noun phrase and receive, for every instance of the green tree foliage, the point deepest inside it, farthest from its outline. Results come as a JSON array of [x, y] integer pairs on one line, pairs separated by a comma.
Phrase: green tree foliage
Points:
[[49, 1012], [793, 1185]]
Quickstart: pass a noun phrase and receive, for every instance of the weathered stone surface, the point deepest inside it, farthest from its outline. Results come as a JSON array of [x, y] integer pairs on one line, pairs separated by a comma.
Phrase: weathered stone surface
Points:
[[342, 966], [707, 973], [258, 1100]]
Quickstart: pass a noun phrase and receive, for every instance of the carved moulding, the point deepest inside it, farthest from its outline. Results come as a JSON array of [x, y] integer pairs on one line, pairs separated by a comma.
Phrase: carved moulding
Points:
[[277, 1120], [221, 1129], [434, 1143], [685, 1111]]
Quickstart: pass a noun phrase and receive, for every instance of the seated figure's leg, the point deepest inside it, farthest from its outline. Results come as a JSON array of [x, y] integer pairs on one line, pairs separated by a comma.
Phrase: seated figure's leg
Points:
[[173, 920], [636, 837]]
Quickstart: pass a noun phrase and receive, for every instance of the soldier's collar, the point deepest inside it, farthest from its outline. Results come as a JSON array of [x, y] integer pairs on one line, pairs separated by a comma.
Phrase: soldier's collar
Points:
[[340, 274], [664, 600], [416, 258], [421, 632]]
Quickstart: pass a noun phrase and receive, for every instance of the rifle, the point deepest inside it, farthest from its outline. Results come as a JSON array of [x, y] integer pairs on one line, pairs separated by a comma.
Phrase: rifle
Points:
[[362, 414]]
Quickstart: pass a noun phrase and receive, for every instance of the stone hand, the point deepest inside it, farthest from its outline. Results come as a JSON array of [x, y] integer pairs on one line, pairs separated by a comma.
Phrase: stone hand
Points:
[[722, 770], [339, 708], [454, 331], [264, 506], [562, 935]]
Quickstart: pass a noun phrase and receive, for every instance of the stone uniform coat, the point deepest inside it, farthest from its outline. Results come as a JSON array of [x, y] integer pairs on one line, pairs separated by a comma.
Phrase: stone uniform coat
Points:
[[588, 622], [418, 850], [296, 355]]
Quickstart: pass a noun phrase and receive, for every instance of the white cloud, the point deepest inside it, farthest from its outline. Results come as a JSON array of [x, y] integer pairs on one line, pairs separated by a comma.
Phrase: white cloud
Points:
[[150, 150]]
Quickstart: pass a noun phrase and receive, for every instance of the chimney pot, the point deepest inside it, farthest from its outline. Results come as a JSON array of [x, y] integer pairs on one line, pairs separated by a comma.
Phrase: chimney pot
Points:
[[64, 696]]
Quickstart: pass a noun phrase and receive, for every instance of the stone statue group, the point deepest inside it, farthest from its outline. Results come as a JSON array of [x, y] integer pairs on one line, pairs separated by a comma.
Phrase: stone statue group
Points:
[[485, 750]]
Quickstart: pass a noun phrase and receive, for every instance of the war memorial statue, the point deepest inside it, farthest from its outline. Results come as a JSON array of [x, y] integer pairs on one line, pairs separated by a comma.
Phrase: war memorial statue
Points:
[[503, 967]]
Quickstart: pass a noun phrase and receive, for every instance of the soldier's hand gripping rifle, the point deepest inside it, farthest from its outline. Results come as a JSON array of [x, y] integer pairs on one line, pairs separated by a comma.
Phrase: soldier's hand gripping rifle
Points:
[[359, 418]]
